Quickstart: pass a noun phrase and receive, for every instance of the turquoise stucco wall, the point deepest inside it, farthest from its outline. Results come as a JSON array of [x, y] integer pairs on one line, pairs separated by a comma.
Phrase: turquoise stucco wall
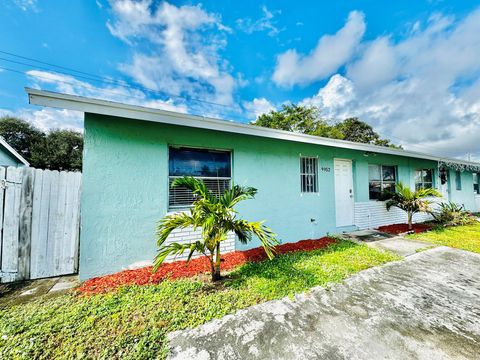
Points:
[[7, 159], [466, 196], [125, 186]]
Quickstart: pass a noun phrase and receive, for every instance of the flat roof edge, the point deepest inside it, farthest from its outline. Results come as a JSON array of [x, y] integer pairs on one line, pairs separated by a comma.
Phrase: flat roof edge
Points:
[[105, 107]]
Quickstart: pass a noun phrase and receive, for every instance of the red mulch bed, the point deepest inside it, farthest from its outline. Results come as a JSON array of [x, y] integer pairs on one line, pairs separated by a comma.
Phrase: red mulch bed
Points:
[[403, 228], [180, 269]]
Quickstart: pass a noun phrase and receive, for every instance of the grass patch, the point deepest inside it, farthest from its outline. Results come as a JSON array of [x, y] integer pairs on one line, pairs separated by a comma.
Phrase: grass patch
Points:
[[133, 321], [460, 237]]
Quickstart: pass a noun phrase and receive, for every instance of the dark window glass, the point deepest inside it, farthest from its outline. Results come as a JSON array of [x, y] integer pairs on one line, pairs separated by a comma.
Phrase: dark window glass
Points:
[[381, 181], [423, 179], [388, 173], [212, 166], [476, 181], [199, 162], [458, 180]]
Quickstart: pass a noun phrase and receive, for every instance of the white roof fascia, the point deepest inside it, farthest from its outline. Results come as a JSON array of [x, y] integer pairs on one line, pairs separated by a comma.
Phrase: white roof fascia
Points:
[[105, 107], [13, 152]]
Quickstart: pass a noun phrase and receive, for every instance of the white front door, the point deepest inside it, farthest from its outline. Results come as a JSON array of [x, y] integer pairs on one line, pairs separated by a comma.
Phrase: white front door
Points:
[[344, 202]]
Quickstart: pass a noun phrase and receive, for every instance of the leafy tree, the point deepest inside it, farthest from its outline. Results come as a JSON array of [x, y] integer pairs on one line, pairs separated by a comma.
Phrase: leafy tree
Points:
[[216, 216], [60, 150], [306, 120], [353, 129], [300, 119], [57, 150], [410, 201], [20, 135]]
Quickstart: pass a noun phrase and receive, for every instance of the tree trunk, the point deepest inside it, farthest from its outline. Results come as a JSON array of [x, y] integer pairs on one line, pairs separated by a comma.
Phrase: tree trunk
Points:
[[409, 215], [212, 265], [216, 274]]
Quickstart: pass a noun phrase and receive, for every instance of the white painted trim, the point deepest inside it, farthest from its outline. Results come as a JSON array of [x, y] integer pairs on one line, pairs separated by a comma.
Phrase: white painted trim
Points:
[[13, 152], [104, 107]]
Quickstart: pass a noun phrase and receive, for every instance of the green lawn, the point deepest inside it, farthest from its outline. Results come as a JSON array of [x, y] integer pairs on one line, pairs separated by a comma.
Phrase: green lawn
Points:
[[460, 237], [133, 321]]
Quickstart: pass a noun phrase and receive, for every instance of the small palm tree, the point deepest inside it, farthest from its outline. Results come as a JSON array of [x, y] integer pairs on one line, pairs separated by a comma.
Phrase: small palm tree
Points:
[[410, 201], [216, 216]]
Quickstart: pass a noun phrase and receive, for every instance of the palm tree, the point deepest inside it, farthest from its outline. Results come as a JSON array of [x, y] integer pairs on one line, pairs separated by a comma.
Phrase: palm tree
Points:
[[410, 201], [216, 216]]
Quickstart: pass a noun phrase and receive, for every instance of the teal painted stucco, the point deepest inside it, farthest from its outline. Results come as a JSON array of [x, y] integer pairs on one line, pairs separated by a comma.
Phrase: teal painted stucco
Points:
[[125, 186], [466, 196], [7, 159]]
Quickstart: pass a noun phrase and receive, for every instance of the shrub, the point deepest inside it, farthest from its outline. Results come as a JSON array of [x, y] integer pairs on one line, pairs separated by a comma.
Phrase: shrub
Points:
[[452, 214], [411, 202]]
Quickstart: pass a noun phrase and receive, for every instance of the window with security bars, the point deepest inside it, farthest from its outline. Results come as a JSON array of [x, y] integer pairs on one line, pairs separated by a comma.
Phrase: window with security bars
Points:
[[211, 166], [309, 174]]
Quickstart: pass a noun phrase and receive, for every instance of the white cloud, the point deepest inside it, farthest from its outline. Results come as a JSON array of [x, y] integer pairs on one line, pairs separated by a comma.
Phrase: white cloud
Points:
[[331, 52], [176, 49], [422, 91], [48, 118], [377, 65], [257, 107], [26, 5], [265, 23]]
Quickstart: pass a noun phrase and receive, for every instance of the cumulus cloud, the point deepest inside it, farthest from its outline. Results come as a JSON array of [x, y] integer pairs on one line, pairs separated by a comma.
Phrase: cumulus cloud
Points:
[[48, 118], [257, 107], [176, 49], [265, 23], [331, 52], [422, 91]]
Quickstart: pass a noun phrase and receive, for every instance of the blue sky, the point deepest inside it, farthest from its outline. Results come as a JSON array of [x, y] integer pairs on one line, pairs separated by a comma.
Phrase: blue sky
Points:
[[409, 68]]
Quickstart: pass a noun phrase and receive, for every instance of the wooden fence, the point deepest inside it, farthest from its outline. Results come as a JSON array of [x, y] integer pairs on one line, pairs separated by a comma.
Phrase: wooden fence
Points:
[[40, 219]]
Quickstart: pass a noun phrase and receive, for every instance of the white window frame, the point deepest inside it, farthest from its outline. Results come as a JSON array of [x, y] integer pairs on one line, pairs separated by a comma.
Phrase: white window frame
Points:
[[308, 174]]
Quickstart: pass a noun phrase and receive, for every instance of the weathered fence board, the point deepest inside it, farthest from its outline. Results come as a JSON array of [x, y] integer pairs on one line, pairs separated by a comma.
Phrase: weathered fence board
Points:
[[11, 221], [41, 220]]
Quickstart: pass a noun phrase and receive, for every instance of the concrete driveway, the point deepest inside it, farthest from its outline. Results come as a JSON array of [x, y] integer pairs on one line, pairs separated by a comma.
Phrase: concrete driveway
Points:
[[424, 307]]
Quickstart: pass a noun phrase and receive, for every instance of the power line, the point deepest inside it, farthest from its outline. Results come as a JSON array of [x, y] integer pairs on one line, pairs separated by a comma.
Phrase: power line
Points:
[[102, 79], [105, 91]]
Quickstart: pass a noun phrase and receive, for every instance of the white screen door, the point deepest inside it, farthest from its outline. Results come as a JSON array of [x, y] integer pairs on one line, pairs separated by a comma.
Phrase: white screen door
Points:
[[344, 201]]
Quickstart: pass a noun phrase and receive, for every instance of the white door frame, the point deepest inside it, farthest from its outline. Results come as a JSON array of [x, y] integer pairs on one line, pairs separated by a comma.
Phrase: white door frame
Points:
[[344, 197]]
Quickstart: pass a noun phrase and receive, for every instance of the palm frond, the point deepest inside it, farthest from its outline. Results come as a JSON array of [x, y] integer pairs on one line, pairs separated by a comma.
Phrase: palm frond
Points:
[[237, 193], [196, 186], [171, 222], [177, 249], [245, 229]]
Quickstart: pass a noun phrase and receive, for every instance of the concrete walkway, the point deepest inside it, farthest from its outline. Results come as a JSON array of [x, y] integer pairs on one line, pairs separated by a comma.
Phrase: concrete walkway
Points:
[[424, 307], [25, 291], [383, 241]]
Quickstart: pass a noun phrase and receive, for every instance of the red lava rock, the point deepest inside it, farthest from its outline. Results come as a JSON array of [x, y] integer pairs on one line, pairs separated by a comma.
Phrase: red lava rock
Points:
[[403, 228], [180, 269]]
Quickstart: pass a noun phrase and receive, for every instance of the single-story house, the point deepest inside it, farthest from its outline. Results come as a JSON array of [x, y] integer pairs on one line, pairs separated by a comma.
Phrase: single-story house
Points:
[[9, 156], [308, 186]]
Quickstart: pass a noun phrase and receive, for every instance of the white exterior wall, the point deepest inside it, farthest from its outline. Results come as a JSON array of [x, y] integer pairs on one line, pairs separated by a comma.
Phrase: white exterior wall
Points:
[[372, 214], [188, 235]]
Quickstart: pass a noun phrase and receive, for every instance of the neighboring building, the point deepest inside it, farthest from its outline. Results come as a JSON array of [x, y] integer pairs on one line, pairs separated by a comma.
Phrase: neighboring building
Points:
[[9, 156], [307, 186]]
